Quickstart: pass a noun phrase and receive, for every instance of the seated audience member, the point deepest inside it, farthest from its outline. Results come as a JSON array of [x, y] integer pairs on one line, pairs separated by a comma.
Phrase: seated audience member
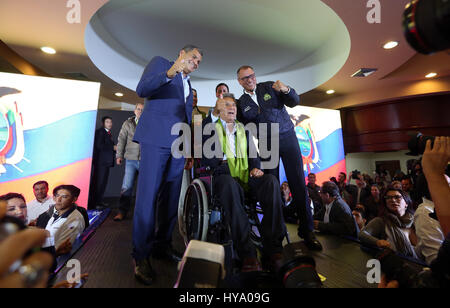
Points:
[[42, 202], [373, 203], [16, 206], [396, 185], [63, 221], [289, 210], [336, 216], [314, 192], [428, 230], [234, 172], [360, 217], [394, 228]]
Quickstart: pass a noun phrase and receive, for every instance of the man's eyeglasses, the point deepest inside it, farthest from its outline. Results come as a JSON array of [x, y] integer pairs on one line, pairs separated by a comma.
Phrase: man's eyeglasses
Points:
[[396, 198], [246, 78]]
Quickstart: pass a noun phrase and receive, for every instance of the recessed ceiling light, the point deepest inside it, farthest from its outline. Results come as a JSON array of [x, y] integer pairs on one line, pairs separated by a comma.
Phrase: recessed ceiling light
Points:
[[431, 75], [48, 50], [118, 94], [330, 92], [390, 45]]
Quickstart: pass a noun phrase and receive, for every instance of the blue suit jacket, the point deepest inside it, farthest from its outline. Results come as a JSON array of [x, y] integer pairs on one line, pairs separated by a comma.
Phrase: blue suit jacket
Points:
[[164, 104]]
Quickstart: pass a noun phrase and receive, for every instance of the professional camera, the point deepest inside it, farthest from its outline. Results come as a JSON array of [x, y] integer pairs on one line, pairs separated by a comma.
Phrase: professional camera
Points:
[[426, 25], [417, 143], [299, 269], [407, 275], [355, 174]]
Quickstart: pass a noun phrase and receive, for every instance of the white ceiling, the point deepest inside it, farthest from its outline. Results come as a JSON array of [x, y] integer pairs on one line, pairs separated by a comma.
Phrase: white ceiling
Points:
[[310, 44]]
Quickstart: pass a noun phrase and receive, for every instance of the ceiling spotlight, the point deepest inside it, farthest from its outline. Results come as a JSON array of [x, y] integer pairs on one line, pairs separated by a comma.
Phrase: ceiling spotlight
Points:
[[329, 92], [390, 45], [118, 94], [431, 75], [48, 50]]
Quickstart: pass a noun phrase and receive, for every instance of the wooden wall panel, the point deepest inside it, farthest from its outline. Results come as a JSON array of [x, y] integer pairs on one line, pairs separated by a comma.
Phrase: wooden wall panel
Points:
[[384, 127]]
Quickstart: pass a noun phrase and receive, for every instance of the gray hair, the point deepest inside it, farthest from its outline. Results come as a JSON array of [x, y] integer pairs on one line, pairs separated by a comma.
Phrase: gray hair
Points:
[[191, 47], [229, 95]]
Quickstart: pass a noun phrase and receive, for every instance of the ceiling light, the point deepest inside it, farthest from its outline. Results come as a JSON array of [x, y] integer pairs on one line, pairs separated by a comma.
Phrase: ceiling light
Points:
[[330, 92], [390, 45], [48, 50], [431, 75], [118, 94]]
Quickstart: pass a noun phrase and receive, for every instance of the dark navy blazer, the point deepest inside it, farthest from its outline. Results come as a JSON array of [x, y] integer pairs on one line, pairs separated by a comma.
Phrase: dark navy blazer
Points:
[[164, 104], [271, 107]]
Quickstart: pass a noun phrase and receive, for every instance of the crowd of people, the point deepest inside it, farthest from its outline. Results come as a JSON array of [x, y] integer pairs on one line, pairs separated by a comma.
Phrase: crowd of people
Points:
[[380, 212], [408, 214]]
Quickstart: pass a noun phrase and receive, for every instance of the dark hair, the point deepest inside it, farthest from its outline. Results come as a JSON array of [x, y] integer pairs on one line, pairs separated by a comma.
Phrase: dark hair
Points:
[[312, 174], [345, 174], [190, 47], [361, 211], [194, 90], [422, 187], [243, 67], [106, 118], [222, 84], [330, 188], [401, 192], [74, 191], [10, 196], [40, 183]]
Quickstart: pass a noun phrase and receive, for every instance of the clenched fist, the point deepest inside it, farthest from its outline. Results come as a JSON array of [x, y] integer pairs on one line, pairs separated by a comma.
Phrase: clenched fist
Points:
[[177, 67], [280, 87]]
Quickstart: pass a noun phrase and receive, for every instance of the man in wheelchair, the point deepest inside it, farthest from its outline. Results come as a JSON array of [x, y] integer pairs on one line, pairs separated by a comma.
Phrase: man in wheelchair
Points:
[[236, 174]]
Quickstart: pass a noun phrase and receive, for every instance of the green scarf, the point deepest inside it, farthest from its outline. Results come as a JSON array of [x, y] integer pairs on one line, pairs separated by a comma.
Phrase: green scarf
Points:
[[238, 165]]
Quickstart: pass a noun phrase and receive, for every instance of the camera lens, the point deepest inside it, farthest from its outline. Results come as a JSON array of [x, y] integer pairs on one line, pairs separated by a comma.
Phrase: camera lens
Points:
[[426, 24]]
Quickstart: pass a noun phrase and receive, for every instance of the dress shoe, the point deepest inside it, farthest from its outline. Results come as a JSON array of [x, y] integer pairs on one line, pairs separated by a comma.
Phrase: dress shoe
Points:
[[143, 272], [311, 242], [250, 265], [119, 217], [167, 253]]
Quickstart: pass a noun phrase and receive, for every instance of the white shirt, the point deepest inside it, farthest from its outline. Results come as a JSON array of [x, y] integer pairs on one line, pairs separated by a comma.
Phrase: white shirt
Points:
[[186, 88], [429, 232], [231, 137], [52, 227], [36, 208], [253, 96], [326, 218], [214, 118]]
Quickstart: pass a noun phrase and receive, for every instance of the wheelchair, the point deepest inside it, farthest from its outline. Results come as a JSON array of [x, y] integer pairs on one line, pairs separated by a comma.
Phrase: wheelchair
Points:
[[201, 216]]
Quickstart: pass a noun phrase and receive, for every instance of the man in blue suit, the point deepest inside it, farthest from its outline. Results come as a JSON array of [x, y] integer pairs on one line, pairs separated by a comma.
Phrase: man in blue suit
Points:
[[168, 97]]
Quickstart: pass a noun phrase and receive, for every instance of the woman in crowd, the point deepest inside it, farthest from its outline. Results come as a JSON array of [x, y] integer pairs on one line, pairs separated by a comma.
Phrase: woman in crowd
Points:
[[394, 228], [373, 204]]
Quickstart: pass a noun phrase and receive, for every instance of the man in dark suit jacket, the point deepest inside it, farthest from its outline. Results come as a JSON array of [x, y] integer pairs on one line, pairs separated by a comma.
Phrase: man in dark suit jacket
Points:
[[359, 192], [264, 103], [168, 96], [230, 188], [335, 217], [103, 160]]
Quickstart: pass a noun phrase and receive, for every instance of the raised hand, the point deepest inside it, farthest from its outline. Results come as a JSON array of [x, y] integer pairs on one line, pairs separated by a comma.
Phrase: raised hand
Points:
[[177, 67], [280, 87]]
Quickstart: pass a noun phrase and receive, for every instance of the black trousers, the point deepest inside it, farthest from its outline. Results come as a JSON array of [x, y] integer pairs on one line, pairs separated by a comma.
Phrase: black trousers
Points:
[[266, 190], [293, 166], [99, 180]]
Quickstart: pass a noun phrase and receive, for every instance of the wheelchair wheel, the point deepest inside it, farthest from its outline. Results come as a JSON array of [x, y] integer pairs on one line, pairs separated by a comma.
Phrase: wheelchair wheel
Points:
[[194, 217]]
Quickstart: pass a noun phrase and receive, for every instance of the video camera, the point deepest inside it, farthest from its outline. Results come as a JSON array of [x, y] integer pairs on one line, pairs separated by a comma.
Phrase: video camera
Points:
[[356, 174], [407, 275], [203, 265], [426, 25]]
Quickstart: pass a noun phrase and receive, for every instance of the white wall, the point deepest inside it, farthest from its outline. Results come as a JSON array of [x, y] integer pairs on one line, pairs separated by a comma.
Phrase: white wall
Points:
[[365, 162]]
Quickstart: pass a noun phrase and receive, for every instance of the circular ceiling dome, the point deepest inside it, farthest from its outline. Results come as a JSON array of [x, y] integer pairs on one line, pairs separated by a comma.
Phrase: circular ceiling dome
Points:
[[301, 42]]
